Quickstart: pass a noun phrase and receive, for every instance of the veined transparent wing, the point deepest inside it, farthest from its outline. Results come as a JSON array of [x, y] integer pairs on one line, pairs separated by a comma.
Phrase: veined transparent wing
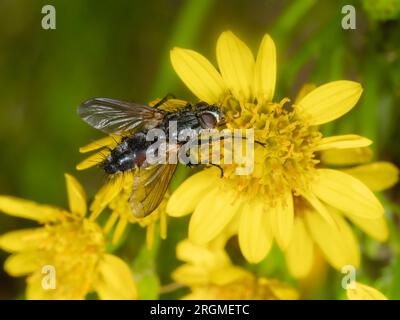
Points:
[[149, 187], [115, 116]]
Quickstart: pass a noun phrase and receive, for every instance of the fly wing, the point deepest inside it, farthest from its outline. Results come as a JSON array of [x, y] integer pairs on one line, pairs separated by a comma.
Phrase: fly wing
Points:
[[115, 116], [149, 187]]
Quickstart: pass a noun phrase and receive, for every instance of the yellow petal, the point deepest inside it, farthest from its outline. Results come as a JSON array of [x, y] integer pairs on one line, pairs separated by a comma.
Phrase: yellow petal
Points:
[[265, 70], [112, 219], [119, 230], [115, 280], [364, 292], [20, 264], [76, 196], [281, 220], [236, 63], [255, 238], [191, 275], [189, 252], [198, 293], [108, 141], [304, 90], [375, 228], [230, 230], [185, 199], [347, 194], [150, 229], [92, 160], [343, 142], [300, 253], [338, 243], [228, 274], [106, 194], [35, 291], [345, 157], [377, 176], [212, 214], [29, 210], [170, 104], [280, 290], [163, 224], [22, 240], [319, 207], [330, 101], [198, 74], [318, 272]]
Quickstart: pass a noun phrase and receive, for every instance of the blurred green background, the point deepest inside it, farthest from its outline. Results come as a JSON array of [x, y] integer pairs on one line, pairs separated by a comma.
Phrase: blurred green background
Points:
[[120, 49]]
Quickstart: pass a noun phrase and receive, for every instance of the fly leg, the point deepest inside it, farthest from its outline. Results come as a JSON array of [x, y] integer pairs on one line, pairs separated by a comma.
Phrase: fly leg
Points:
[[234, 137], [219, 167], [187, 160], [255, 141], [222, 138], [200, 141], [192, 164]]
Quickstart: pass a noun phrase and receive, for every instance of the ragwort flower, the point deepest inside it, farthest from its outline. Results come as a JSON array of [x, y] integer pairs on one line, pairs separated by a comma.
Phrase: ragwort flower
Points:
[[297, 195], [210, 274], [72, 245]]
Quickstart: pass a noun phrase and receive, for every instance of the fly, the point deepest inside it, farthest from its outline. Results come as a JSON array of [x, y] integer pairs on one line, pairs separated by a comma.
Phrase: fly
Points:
[[133, 121]]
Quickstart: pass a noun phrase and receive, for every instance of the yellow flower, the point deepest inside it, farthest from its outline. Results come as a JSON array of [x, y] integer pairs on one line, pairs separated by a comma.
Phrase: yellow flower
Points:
[[115, 193], [210, 275], [66, 257], [297, 195], [364, 292]]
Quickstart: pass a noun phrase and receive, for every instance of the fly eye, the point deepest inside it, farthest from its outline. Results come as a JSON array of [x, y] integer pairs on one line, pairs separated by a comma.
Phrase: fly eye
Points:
[[209, 120]]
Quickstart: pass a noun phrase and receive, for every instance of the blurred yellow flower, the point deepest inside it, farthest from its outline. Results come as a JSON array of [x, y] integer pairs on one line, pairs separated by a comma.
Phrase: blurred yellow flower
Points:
[[364, 292], [68, 248], [210, 274], [292, 196]]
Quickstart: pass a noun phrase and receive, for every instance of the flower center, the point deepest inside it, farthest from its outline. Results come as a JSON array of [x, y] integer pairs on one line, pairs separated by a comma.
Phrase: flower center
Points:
[[245, 288], [287, 159]]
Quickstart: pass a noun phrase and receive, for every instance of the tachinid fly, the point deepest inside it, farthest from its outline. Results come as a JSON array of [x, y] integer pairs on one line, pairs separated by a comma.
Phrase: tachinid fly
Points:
[[133, 121]]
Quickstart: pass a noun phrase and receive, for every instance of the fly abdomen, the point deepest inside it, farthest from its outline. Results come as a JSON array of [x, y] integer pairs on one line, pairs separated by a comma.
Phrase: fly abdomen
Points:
[[115, 163], [129, 154], [126, 162]]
